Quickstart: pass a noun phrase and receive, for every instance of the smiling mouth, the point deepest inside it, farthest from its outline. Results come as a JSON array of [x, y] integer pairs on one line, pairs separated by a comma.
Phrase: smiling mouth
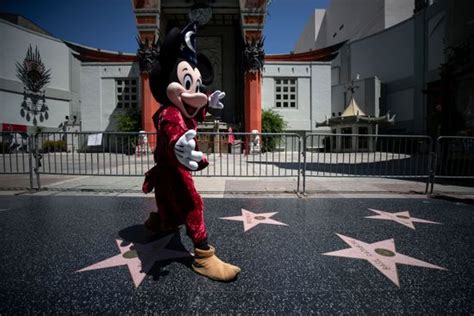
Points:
[[190, 109]]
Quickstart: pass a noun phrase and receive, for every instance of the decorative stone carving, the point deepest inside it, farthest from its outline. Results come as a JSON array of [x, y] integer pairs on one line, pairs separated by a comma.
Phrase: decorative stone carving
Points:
[[200, 13], [253, 55], [212, 47], [147, 54], [35, 78], [255, 144]]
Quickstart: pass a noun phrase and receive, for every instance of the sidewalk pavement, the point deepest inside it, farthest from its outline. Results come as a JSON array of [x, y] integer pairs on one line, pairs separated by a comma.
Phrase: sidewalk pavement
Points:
[[237, 187]]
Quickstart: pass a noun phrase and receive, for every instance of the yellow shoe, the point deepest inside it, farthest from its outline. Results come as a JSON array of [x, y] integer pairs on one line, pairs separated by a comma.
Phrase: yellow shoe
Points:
[[207, 264]]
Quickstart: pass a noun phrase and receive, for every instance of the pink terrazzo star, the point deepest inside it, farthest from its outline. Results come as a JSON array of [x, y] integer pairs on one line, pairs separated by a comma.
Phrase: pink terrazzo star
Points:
[[382, 255], [139, 258], [403, 218], [253, 219]]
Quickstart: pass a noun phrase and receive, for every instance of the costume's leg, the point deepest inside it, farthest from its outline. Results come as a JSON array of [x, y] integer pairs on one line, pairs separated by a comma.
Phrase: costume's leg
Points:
[[190, 207], [205, 261], [164, 219]]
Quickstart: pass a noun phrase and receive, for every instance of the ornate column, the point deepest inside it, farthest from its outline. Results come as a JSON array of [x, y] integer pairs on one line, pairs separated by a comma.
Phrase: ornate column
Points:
[[252, 19], [147, 13], [147, 55], [253, 62]]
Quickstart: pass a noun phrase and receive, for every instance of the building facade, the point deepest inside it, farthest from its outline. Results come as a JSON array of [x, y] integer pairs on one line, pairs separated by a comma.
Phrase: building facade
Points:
[[351, 20], [90, 87], [298, 91], [409, 68], [61, 94]]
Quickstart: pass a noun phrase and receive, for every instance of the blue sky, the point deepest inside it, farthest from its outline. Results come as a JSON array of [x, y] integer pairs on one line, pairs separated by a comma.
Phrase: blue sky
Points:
[[110, 24]]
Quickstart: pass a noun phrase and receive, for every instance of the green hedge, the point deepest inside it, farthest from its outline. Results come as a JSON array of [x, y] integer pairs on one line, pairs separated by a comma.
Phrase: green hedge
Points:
[[4, 147], [272, 122], [51, 146]]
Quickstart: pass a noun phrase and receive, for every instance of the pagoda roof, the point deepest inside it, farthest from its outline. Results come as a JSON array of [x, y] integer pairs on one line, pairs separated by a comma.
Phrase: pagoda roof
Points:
[[339, 120], [354, 115], [89, 54], [352, 109]]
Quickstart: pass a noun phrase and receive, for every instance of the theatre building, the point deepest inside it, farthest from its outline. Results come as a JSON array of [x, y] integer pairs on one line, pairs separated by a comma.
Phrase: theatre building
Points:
[[85, 88]]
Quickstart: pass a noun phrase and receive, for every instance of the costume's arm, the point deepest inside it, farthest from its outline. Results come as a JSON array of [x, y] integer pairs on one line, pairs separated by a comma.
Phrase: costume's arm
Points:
[[184, 150], [181, 143], [214, 100]]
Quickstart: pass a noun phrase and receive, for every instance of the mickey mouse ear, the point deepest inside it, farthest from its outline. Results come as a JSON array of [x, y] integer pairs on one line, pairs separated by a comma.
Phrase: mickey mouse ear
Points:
[[188, 50], [205, 68], [170, 48]]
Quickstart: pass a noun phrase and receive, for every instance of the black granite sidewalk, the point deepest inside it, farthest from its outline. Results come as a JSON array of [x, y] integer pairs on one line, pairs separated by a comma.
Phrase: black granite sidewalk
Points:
[[298, 256]]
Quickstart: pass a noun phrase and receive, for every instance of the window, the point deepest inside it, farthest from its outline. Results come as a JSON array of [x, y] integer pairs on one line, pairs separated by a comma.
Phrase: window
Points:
[[126, 91], [285, 93]]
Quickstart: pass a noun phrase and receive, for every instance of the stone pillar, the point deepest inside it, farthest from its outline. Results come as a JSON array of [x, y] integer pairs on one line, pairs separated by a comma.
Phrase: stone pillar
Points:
[[147, 17], [147, 55], [150, 106], [253, 62], [253, 101], [253, 14]]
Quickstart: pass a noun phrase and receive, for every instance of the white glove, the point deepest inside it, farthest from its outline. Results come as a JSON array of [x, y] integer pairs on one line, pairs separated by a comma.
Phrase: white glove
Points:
[[184, 150], [214, 98]]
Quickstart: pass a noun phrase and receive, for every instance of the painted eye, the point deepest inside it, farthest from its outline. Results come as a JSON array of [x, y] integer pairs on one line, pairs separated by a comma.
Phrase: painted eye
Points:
[[198, 86], [188, 81]]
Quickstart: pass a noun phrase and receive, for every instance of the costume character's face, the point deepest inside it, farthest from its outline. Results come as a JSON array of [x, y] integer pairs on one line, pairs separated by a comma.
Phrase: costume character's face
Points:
[[180, 73], [184, 90]]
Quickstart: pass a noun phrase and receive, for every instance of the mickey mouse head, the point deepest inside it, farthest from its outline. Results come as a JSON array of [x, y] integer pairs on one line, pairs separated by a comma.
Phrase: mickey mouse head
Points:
[[180, 74]]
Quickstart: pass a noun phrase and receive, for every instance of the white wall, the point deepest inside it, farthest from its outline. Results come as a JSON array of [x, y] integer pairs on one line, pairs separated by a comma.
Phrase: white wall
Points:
[[98, 93], [10, 111], [387, 55], [400, 103], [321, 93], [367, 96], [55, 56], [397, 11], [350, 20], [313, 92]]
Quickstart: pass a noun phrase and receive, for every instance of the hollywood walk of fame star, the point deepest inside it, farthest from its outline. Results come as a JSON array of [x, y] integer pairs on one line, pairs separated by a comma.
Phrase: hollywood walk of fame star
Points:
[[139, 258], [403, 218], [253, 219], [382, 255]]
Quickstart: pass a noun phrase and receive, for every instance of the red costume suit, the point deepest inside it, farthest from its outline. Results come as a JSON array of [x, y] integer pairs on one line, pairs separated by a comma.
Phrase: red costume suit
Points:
[[176, 197], [177, 81]]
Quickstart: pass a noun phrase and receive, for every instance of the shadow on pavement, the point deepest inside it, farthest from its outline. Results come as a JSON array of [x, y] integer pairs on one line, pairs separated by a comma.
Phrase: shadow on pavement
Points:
[[453, 199], [142, 241]]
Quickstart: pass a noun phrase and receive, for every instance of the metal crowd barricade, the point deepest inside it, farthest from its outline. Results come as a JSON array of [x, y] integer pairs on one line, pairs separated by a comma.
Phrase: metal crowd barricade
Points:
[[16, 154], [454, 158], [243, 155], [125, 154], [251, 155], [366, 155], [94, 153]]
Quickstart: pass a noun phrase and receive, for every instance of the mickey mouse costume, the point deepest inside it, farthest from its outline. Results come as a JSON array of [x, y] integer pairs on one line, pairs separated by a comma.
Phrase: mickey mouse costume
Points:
[[176, 82]]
